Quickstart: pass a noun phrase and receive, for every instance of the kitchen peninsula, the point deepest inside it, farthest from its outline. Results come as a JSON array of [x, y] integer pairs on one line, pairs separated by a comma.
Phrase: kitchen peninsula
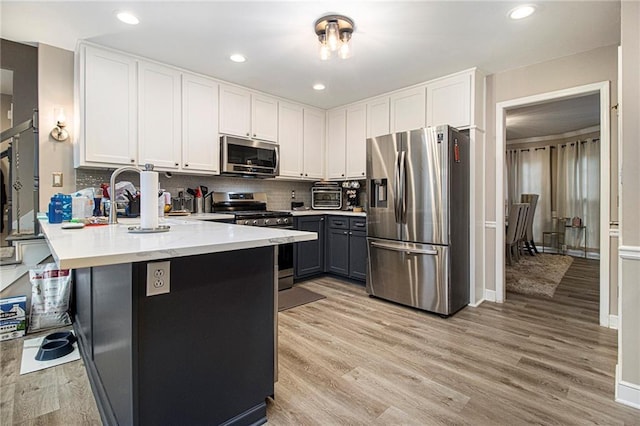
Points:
[[200, 351]]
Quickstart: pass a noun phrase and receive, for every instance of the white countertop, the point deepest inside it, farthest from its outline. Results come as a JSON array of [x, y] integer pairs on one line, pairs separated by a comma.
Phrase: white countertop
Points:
[[112, 244], [321, 212]]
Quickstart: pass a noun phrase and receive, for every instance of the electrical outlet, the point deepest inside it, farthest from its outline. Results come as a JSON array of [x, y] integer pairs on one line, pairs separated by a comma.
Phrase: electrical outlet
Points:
[[158, 274], [56, 179]]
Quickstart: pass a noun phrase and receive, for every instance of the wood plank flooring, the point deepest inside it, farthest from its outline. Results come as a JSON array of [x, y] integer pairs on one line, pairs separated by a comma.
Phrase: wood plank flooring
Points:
[[351, 359]]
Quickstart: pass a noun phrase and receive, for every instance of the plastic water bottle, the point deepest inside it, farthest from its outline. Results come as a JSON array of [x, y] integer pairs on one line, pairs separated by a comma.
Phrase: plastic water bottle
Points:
[[66, 207], [55, 209]]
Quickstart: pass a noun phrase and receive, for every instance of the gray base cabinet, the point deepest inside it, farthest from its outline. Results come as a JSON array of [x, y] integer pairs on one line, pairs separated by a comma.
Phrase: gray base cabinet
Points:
[[201, 354], [308, 256]]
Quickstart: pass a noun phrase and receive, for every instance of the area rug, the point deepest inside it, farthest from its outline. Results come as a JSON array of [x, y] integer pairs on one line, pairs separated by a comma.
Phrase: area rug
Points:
[[296, 296], [537, 275]]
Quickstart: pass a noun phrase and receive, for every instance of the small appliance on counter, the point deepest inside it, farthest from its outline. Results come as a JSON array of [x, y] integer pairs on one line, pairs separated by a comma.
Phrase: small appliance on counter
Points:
[[352, 191], [326, 196]]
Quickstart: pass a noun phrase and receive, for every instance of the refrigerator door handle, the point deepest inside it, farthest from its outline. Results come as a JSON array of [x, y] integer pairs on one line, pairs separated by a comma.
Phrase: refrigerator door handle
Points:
[[396, 187], [405, 250], [403, 187]]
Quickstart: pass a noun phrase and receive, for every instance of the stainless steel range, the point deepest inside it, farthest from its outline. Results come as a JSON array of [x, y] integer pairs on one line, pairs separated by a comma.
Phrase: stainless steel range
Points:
[[250, 209]]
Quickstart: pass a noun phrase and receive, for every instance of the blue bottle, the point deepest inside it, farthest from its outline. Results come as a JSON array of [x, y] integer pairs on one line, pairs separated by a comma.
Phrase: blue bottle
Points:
[[66, 207], [55, 209]]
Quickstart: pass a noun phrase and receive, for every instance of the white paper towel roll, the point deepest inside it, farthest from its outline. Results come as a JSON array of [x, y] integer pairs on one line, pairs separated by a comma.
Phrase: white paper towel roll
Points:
[[148, 199]]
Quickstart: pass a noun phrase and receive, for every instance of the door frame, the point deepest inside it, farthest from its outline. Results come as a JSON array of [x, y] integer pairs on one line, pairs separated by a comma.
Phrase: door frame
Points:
[[602, 88]]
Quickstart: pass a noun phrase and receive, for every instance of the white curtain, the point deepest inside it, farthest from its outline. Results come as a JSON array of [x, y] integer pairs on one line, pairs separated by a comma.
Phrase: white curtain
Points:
[[578, 195], [529, 172]]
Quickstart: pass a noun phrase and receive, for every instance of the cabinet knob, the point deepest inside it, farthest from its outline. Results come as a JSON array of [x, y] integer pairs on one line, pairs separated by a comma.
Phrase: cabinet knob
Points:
[[186, 165], [345, 232], [322, 219], [175, 164], [306, 174], [133, 161], [247, 134], [350, 233], [362, 173], [254, 135], [342, 175], [300, 174]]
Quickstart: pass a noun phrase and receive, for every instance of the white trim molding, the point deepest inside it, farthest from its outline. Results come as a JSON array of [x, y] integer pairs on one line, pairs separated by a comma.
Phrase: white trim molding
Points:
[[602, 88], [613, 322], [627, 393], [575, 133], [478, 303], [629, 252], [489, 295]]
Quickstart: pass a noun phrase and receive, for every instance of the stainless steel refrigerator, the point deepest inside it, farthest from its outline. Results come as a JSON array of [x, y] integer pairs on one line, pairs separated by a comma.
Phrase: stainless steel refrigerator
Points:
[[418, 218]]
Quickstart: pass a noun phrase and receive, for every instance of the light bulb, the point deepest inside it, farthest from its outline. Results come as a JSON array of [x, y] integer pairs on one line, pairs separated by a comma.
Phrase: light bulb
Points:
[[325, 53], [345, 50], [333, 37]]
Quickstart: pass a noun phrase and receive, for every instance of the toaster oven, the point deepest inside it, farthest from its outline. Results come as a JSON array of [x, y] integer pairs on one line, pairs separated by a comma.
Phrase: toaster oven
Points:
[[323, 198]]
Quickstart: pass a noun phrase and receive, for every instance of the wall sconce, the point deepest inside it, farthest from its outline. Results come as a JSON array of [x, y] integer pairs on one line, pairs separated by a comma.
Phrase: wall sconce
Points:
[[59, 133]]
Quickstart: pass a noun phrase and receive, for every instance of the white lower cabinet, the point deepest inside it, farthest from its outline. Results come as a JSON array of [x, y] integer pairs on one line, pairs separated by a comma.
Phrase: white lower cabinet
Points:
[[200, 137], [159, 116]]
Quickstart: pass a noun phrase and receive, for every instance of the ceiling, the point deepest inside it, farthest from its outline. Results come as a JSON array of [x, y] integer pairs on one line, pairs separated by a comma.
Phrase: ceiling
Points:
[[395, 44], [554, 117]]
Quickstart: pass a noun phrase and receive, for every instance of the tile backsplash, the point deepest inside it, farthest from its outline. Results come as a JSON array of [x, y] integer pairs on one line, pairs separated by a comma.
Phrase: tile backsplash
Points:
[[278, 191]]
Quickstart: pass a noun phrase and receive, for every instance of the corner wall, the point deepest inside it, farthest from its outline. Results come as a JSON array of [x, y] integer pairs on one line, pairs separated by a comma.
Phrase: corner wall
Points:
[[576, 70], [628, 377], [55, 88]]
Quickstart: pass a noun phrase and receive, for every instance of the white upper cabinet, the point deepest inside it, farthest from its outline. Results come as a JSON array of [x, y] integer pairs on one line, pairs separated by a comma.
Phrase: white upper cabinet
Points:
[[314, 143], [159, 115], [248, 115], [449, 101], [264, 118], [356, 148], [200, 138], [378, 117], [235, 111], [108, 109], [408, 109], [290, 127], [336, 143]]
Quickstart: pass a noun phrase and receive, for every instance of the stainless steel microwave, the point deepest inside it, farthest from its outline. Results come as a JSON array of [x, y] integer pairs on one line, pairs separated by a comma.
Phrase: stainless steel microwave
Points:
[[248, 157]]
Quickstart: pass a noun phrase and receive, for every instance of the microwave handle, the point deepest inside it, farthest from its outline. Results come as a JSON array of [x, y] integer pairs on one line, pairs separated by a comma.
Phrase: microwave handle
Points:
[[277, 158]]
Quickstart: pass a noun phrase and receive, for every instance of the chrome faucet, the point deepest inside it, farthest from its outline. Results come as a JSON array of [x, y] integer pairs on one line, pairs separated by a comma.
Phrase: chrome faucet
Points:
[[113, 213]]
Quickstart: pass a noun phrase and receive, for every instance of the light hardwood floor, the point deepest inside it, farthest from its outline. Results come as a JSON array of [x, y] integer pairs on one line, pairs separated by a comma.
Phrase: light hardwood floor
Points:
[[351, 359]]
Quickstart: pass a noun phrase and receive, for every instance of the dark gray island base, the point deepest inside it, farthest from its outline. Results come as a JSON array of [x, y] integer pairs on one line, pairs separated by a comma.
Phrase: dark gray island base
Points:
[[202, 354]]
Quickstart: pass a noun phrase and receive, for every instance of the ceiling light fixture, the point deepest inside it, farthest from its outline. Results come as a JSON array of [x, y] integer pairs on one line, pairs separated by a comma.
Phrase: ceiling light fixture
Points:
[[128, 18], [236, 57], [334, 34], [522, 12], [319, 86]]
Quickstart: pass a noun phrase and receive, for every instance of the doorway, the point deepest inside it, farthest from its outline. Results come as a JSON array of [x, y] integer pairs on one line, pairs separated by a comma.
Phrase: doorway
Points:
[[601, 89]]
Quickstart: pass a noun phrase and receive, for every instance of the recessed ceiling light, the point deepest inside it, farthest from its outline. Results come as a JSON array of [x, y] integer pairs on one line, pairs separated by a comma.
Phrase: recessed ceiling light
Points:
[[521, 12], [236, 57], [128, 18], [318, 86]]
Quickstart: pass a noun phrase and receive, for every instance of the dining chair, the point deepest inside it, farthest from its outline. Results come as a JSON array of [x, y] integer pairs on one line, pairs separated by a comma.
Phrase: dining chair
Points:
[[517, 219], [532, 200]]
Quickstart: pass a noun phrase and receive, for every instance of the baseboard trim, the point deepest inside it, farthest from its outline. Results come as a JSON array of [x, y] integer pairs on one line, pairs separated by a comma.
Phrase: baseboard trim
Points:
[[627, 393], [490, 295], [613, 322], [478, 303]]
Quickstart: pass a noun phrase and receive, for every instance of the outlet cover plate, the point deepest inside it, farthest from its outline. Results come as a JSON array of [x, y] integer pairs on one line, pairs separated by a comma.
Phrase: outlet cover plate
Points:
[[158, 274]]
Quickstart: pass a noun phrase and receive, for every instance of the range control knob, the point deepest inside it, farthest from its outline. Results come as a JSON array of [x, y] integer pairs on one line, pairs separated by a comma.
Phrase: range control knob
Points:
[[246, 222], [285, 220], [255, 222], [266, 221], [278, 221]]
